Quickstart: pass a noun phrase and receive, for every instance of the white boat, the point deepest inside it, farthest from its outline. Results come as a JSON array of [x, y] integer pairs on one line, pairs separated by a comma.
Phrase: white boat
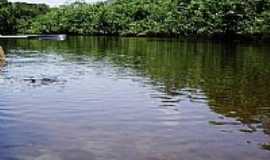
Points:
[[58, 37]]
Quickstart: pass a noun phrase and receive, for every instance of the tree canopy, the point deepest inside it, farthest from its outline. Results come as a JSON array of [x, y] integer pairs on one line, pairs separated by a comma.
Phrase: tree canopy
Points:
[[13, 16], [146, 17]]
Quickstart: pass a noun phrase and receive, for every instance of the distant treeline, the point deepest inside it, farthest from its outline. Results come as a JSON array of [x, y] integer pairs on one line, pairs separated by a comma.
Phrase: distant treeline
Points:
[[15, 16], [156, 17]]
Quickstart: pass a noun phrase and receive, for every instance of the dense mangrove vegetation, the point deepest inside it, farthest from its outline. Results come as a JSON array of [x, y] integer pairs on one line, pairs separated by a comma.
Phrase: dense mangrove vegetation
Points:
[[146, 18], [15, 16]]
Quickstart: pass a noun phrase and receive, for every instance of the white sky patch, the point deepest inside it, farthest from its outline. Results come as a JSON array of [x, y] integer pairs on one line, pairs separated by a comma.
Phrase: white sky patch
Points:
[[53, 2]]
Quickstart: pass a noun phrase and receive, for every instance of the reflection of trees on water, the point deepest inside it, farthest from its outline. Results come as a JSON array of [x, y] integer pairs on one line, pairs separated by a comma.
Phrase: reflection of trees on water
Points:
[[234, 78], [239, 86]]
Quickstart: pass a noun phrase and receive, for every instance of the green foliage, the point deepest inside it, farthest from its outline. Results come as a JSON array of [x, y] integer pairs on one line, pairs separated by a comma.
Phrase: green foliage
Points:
[[6, 18], [262, 24], [15, 17], [3, 1], [179, 17]]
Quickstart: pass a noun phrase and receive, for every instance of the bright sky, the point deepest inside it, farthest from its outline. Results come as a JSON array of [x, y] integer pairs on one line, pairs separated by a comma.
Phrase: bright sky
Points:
[[52, 2]]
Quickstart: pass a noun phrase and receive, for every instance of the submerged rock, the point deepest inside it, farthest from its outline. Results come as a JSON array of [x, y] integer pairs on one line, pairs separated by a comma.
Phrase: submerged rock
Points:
[[41, 81], [266, 146], [266, 125], [223, 123]]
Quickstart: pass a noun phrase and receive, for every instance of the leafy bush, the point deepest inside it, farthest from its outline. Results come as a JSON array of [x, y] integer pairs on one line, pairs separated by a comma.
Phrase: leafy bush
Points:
[[15, 17], [180, 17]]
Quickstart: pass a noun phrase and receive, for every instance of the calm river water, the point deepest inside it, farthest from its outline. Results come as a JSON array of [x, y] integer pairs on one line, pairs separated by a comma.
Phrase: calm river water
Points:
[[96, 98]]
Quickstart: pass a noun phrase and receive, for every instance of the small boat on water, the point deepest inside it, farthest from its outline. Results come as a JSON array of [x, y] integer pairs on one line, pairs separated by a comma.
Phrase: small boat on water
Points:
[[57, 37]]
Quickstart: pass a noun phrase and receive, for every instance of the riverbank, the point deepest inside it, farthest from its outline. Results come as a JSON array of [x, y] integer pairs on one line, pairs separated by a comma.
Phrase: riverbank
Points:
[[198, 19], [220, 37], [225, 20]]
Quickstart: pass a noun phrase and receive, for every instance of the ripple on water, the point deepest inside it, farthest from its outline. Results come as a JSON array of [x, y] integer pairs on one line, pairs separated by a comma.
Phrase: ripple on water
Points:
[[102, 105]]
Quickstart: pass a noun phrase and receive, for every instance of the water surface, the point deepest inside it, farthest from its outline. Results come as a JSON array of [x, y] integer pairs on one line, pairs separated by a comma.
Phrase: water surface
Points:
[[97, 98]]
